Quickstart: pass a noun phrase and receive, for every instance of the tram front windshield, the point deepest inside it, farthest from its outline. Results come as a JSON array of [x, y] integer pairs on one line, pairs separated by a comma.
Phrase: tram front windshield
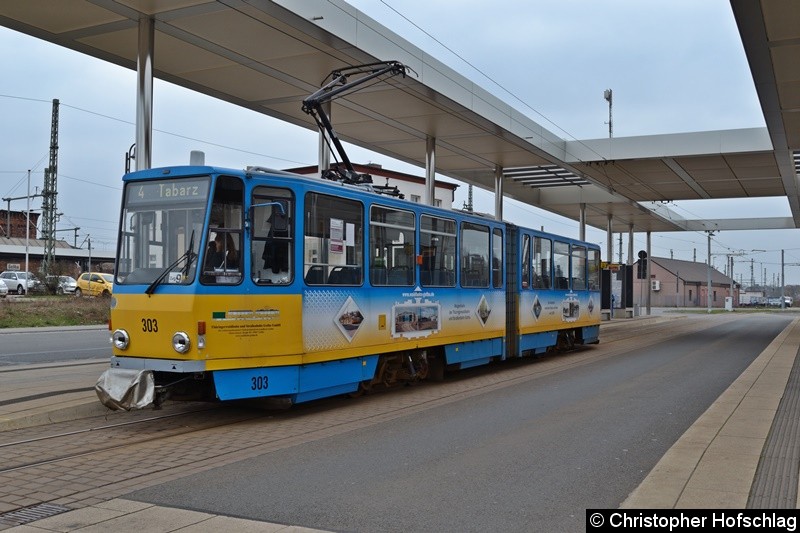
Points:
[[162, 225]]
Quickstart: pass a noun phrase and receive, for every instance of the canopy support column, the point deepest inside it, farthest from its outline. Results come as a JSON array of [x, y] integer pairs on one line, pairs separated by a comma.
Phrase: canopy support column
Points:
[[648, 286], [144, 94], [430, 170], [498, 193], [630, 244]]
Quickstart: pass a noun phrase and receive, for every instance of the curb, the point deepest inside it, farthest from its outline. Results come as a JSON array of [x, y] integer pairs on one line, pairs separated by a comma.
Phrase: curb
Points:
[[73, 410]]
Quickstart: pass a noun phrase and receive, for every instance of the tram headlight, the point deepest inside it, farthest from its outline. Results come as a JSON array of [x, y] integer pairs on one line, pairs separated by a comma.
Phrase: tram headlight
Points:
[[121, 339], [181, 342]]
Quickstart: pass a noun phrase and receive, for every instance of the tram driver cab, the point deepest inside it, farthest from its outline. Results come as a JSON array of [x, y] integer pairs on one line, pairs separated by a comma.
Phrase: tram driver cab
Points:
[[222, 264]]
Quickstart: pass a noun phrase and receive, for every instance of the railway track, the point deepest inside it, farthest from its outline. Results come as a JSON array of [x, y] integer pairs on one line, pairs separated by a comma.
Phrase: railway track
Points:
[[33, 447]]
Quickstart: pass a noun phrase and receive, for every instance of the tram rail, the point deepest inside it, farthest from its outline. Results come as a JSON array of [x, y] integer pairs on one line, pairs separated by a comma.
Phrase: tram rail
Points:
[[17, 453]]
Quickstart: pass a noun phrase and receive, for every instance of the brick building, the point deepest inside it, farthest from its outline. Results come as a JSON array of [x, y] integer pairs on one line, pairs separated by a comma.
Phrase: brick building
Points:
[[677, 283], [12, 224], [69, 260]]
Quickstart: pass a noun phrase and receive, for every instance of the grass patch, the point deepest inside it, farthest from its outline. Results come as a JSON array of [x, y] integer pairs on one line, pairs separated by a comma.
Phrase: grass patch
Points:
[[38, 311]]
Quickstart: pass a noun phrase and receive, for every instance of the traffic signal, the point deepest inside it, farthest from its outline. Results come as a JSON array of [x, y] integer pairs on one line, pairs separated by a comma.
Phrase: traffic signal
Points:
[[641, 266]]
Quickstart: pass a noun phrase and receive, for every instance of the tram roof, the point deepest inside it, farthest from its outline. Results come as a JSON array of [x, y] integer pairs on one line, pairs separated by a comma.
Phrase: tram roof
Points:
[[282, 50]]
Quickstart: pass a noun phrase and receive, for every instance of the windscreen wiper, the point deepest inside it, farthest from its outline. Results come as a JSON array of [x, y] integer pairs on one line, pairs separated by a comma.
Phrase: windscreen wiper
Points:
[[190, 256]]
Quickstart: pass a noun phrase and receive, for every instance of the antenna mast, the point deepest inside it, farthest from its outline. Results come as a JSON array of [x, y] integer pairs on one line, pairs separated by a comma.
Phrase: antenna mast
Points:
[[608, 94]]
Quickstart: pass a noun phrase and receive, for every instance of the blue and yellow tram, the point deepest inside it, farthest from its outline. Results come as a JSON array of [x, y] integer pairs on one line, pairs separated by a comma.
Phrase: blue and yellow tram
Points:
[[236, 284]]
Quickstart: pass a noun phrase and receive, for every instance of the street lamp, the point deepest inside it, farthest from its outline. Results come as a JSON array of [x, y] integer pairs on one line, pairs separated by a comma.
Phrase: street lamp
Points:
[[27, 230], [708, 270]]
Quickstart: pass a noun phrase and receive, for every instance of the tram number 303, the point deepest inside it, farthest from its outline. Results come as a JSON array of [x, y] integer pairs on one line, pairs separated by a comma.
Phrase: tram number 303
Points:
[[259, 383], [150, 325]]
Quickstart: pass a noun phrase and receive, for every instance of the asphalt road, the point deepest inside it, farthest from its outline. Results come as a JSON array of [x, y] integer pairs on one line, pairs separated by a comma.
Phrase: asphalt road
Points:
[[528, 457], [49, 345]]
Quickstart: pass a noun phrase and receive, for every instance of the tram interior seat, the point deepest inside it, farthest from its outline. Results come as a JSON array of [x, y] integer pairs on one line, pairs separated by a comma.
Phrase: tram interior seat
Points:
[[378, 276], [343, 275], [315, 275], [399, 276], [562, 282], [437, 278], [447, 278], [474, 278], [426, 277]]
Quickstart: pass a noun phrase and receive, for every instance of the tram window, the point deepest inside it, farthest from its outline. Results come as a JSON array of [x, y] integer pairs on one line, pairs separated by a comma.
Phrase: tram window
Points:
[[497, 258], [561, 264], [542, 263], [474, 255], [438, 249], [272, 226], [525, 266], [392, 246], [578, 273], [333, 251], [594, 270], [222, 260]]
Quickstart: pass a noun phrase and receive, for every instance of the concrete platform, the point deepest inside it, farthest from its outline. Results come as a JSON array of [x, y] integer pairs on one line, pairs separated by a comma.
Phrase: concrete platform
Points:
[[127, 516]]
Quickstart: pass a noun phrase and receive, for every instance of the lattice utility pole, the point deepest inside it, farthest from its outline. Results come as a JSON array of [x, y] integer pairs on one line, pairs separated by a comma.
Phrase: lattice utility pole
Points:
[[468, 204], [49, 194]]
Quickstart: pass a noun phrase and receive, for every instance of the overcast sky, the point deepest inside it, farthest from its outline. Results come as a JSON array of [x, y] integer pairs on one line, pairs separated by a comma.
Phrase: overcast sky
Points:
[[674, 66]]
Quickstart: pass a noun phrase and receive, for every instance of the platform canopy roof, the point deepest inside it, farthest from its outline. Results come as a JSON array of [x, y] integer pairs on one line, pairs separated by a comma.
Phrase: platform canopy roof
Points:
[[269, 55]]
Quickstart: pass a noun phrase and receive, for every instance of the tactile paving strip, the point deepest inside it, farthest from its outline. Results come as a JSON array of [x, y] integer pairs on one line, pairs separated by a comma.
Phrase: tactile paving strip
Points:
[[775, 481]]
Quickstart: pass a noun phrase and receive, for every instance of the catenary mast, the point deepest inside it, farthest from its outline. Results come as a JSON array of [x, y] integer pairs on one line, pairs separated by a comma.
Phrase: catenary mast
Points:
[[49, 211]]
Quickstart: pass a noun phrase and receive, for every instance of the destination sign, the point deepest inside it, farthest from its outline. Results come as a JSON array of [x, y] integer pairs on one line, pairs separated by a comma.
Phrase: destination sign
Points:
[[168, 191]]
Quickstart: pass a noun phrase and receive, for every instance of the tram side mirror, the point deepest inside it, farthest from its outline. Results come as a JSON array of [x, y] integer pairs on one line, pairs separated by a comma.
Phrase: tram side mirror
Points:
[[280, 220]]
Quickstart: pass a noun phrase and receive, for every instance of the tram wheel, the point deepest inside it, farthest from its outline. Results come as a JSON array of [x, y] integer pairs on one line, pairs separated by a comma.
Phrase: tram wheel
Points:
[[363, 388]]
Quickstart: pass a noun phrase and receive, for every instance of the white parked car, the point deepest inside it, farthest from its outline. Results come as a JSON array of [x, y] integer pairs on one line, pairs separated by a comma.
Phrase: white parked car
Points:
[[20, 282], [3, 290]]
